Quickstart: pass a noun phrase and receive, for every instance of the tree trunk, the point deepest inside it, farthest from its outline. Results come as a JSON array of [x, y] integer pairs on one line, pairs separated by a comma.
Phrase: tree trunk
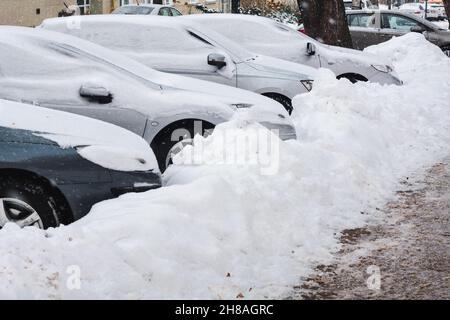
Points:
[[447, 10], [326, 22]]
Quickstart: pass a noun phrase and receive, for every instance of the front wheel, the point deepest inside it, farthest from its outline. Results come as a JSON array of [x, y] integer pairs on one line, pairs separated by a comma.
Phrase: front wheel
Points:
[[446, 51], [174, 137], [27, 202]]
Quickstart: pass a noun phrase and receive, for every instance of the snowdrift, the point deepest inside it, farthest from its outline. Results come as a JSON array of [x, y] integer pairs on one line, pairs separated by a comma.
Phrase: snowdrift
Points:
[[220, 230]]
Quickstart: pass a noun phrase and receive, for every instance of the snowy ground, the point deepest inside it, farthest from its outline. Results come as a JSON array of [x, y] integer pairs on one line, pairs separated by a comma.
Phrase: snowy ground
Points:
[[226, 231]]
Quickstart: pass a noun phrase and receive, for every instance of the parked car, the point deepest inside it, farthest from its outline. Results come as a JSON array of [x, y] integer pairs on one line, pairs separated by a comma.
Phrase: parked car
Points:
[[360, 4], [418, 9], [148, 9], [372, 27], [439, 7], [184, 48], [268, 37], [58, 71], [54, 165]]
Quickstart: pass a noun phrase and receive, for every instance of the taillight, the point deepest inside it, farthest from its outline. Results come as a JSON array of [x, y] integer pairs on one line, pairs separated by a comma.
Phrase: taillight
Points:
[[302, 30]]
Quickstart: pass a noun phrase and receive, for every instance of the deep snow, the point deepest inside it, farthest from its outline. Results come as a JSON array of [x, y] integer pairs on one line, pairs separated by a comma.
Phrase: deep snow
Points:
[[218, 230]]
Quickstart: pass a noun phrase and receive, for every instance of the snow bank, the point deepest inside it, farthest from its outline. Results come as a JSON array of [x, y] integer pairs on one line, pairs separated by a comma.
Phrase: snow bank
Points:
[[217, 230]]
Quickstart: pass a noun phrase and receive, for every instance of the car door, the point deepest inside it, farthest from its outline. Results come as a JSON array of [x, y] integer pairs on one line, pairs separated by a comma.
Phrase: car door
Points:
[[364, 29], [396, 25], [51, 75]]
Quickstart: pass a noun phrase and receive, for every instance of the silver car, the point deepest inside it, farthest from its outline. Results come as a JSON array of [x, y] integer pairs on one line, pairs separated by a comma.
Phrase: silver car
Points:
[[148, 9], [58, 71], [171, 45], [266, 36]]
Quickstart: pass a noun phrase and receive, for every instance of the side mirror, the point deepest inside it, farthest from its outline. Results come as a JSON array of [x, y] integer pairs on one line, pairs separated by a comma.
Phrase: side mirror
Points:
[[217, 59], [417, 29], [95, 93], [310, 49]]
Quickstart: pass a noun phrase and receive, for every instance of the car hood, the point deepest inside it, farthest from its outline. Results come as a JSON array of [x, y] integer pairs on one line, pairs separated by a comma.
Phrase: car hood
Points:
[[334, 54], [284, 68], [102, 143]]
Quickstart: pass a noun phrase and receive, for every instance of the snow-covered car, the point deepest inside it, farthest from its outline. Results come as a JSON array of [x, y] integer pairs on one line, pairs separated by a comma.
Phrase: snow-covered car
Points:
[[54, 166], [418, 9], [268, 37], [58, 71], [148, 9], [184, 48], [360, 4]]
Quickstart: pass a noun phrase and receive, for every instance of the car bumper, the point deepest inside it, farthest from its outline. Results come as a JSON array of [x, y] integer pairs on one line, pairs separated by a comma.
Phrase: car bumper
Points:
[[81, 197], [284, 131], [386, 78]]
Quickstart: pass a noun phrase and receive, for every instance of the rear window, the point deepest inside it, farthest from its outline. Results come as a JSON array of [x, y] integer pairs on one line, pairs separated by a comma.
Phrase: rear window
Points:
[[365, 20]]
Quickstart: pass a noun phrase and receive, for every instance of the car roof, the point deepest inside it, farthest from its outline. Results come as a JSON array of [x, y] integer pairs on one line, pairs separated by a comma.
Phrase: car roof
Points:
[[118, 18]]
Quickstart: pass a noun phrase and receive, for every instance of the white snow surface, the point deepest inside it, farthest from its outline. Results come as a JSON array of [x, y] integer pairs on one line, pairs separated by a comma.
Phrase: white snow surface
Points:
[[217, 231], [102, 143]]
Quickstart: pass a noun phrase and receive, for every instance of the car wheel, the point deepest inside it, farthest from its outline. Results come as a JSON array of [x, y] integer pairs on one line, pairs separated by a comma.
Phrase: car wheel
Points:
[[27, 202], [285, 101], [446, 51], [174, 137]]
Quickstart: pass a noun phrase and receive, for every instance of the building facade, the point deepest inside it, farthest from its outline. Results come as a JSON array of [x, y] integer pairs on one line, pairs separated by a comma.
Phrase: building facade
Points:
[[32, 12]]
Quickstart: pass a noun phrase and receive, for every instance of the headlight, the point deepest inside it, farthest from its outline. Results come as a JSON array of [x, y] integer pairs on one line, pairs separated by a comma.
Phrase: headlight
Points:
[[382, 68], [242, 105], [308, 84]]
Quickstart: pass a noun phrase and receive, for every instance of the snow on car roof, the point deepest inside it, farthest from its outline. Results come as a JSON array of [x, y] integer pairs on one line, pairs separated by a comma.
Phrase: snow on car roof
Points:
[[58, 24], [102, 143]]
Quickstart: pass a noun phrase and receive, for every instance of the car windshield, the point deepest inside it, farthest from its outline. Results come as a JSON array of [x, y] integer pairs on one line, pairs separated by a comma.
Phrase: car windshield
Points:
[[134, 10], [224, 43]]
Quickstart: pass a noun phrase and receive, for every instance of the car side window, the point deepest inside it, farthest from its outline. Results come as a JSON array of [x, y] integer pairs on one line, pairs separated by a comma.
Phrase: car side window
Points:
[[175, 12], [392, 21], [365, 20], [164, 12]]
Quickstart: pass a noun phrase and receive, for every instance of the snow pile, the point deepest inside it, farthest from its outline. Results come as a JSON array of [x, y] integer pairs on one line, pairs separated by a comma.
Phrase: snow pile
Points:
[[219, 231]]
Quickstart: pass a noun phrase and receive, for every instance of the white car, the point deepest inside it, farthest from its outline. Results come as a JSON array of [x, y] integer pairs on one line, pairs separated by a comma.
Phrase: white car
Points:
[[148, 9], [418, 9], [54, 70], [362, 4], [439, 7], [182, 47], [268, 37]]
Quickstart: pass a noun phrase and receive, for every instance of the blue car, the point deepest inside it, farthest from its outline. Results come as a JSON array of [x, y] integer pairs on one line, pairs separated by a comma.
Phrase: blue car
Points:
[[43, 184]]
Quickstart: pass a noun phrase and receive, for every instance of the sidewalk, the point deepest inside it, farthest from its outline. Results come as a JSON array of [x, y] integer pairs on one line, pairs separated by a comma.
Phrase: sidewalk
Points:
[[411, 251]]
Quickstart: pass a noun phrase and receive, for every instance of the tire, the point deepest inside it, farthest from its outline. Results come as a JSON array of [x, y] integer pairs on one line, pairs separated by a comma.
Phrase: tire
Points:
[[446, 51], [285, 101], [24, 200], [163, 144]]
